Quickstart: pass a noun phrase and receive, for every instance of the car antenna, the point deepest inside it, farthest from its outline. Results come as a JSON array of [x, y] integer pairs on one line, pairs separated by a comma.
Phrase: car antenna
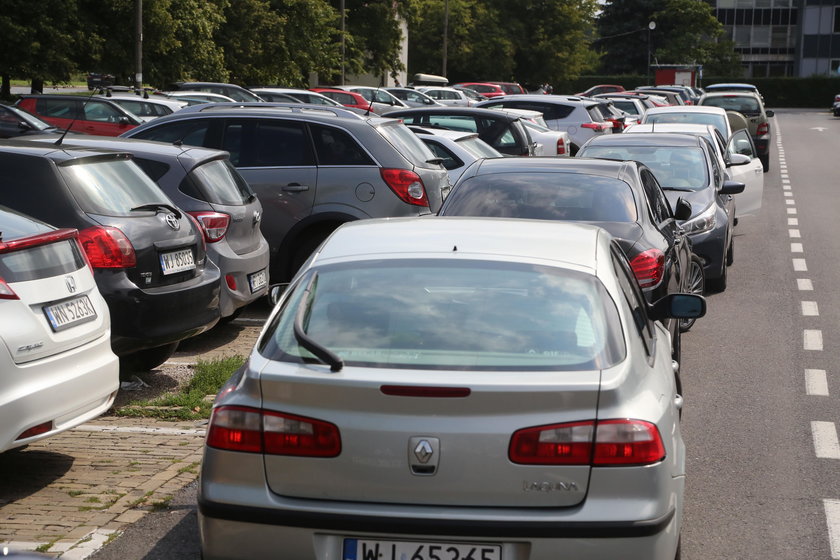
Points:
[[75, 118]]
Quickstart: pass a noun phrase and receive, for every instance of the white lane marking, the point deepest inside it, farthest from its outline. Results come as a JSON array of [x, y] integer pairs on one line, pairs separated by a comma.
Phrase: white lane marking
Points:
[[791, 210], [810, 309], [832, 517], [799, 265], [804, 285], [788, 193], [816, 383], [789, 202], [794, 233], [793, 221], [796, 248], [786, 187], [826, 444], [812, 339]]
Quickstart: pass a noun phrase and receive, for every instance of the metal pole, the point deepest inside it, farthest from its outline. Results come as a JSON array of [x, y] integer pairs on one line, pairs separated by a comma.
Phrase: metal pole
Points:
[[341, 7], [445, 34], [138, 47]]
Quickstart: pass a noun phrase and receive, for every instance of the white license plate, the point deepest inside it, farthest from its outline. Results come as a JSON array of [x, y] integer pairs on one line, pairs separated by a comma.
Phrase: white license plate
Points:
[[257, 280], [69, 313], [177, 261], [366, 549]]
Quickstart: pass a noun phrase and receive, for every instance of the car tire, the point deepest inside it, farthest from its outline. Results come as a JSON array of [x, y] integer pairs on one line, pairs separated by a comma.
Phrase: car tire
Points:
[[573, 150], [148, 359], [307, 246], [765, 162], [696, 285], [730, 254]]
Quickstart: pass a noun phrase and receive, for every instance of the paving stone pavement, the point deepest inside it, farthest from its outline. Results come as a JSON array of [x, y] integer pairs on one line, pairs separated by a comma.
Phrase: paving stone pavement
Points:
[[68, 494]]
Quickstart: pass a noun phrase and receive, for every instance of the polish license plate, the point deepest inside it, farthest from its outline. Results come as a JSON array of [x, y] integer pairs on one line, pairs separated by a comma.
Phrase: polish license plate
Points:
[[257, 280], [177, 261], [69, 313], [367, 549]]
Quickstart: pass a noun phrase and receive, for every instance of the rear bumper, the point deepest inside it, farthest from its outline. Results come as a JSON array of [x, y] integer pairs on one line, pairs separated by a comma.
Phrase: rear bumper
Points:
[[67, 389], [239, 268], [146, 318]]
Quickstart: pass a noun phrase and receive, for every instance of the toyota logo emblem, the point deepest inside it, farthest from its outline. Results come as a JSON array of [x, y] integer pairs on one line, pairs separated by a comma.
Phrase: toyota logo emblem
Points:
[[70, 282], [173, 221]]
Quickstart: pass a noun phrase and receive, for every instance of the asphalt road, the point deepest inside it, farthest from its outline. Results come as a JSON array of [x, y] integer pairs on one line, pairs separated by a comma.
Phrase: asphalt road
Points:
[[761, 394]]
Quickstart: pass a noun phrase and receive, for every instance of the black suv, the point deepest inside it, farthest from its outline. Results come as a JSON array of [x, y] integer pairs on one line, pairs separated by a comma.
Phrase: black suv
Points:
[[148, 257], [313, 168], [501, 130]]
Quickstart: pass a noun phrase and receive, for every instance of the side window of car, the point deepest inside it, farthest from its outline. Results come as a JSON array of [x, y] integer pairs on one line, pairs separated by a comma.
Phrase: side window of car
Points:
[[336, 147], [268, 143], [450, 160], [100, 112], [741, 143], [634, 298], [192, 132], [57, 108], [717, 172], [659, 207]]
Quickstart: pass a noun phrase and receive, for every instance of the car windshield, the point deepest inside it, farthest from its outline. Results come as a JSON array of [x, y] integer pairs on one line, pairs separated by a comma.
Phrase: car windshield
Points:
[[679, 167], [13, 115], [111, 187], [543, 196], [434, 314], [221, 183], [745, 104], [407, 143], [690, 117]]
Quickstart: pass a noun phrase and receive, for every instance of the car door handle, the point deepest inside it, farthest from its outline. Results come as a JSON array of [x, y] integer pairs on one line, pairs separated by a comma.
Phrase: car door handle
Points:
[[295, 187]]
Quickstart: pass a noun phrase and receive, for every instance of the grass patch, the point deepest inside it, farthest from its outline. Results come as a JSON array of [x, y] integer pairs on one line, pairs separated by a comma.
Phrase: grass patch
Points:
[[190, 402]]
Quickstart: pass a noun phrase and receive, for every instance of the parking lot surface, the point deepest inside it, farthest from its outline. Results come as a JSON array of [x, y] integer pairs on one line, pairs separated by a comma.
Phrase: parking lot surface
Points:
[[69, 495]]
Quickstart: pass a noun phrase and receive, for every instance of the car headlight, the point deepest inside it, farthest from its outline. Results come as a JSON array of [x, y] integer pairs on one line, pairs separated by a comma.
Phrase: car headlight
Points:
[[704, 221]]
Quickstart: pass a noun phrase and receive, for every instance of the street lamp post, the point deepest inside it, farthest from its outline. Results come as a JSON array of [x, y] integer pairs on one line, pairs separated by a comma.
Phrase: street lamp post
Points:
[[651, 27]]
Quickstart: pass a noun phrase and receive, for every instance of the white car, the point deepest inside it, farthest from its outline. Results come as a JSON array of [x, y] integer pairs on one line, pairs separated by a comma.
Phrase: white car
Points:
[[553, 142], [144, 107], [56, 359], [201, 96], [736, 154], [472, 388], [457, 149], [453, 97], [302, 95]]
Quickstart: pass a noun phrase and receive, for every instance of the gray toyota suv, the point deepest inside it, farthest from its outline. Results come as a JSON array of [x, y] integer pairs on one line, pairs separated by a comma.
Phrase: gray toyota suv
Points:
[[312, 167]]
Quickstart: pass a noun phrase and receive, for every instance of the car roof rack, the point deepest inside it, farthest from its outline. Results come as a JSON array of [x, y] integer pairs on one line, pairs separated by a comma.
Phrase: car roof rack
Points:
[[301, 108]]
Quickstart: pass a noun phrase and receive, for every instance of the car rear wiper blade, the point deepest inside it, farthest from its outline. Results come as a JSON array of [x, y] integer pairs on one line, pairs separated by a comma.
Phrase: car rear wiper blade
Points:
[[157, 206], [320, 351]]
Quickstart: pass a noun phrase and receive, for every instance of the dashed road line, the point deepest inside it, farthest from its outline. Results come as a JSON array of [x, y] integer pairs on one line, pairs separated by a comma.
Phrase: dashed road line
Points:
[[799, 265], [804, 285], [812, 340], [832, 515], [810, 309], [826, 444], [816, 383]]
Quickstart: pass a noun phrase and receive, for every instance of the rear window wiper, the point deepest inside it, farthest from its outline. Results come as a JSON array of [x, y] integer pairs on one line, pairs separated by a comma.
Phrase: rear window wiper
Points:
[[158, 206], [320, 351]]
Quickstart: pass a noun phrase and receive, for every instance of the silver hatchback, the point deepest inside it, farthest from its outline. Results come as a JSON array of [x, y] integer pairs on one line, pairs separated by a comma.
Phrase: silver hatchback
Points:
[[453, 388]]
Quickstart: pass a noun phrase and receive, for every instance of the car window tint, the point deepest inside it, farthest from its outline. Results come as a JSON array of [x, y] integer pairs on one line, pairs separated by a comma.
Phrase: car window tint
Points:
[[217, 182], [336, 147], [659, 206], [192, 132], [58, 108], [674, 166], [267, 143], [543, 196], [101, 112], [747, 105], [450, 160], [741, 143], [478, 147], [406, 142], [433, 314], [41, 261], [111, 188]]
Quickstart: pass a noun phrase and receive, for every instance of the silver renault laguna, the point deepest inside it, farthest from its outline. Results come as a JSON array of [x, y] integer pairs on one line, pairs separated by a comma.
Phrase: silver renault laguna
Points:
[[453, 389]]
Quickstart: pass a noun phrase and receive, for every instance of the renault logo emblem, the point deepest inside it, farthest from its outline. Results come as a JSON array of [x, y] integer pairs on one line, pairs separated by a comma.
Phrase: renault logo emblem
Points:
[[173, 221], [70, 282], [424, 451], [423, 455]]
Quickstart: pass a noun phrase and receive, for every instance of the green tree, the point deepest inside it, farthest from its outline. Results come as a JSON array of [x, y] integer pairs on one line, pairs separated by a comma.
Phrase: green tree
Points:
[[624, 36], [39, 39], [688, 32]]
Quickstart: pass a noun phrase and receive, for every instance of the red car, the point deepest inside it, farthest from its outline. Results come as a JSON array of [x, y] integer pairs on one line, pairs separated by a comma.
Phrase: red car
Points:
[[85, 114], [510, 88], [346, 98], [486, 89], [602, 88]]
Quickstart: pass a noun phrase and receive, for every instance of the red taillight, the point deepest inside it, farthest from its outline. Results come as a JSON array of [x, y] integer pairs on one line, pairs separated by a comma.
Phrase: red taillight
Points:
[[213, 225], [6, 291], [36, 430], [599, 126], [649, 267], [407, 185], [763, 129], [603, 443], [561, 146], [252, 430], [107, 247]]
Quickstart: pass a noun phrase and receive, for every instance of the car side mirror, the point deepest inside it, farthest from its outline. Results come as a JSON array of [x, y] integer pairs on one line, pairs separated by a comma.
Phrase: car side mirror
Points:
[[683, 210], [678, 306], [24, 126], [274, 293], [732, 187], [770, 113], [738, 159]]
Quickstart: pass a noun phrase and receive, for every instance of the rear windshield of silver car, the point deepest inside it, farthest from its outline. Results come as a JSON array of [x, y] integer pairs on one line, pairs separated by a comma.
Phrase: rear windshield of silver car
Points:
[[111, 187], [407, 143], [543, 196], [451, 314], [678, 167], [217, 182]]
